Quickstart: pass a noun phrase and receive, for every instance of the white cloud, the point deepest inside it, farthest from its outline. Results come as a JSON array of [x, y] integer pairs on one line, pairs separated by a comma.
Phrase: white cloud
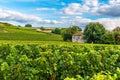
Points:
[[109, 23], [93, 7], [78, 9], [72, 9], [45, 9], [75, 20], [10, 15], [75, 9], [109, 9], [91, 3], [114, 1], [64, 17], [72, 14], [81, 21]]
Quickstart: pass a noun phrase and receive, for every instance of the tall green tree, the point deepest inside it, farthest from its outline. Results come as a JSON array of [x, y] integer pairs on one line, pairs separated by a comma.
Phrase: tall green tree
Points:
[[93, 32]]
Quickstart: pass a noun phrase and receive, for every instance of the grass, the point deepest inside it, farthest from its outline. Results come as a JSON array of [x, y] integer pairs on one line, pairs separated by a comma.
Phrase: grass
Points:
[[10, 32]]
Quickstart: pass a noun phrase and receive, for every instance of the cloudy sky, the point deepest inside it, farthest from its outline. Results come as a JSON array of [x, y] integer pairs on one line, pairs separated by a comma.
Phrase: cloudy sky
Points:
[[61, 13]]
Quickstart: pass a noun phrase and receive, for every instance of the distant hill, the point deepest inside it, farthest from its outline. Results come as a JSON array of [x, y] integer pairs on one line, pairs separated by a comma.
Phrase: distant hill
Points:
[[6, 24], [12, 32]]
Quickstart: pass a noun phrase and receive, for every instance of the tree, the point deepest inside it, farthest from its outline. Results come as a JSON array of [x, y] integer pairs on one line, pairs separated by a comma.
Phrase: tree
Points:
[[108, 38], [80, 29], [19, 25], [28, 25], [116, 29], [56, 31], [75, 29], [42, 28], [117, 37], [67, 37], [67, 34], [93, 32]]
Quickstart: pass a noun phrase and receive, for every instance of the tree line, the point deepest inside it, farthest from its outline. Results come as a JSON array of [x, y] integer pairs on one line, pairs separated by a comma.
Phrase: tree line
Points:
[[94, 32]]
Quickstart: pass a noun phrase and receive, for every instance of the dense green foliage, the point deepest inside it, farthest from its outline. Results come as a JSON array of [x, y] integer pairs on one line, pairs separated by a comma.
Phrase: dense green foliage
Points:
[[67, 37], [10, 32], [96, 33], [108, 38], [58, 62], [28, 25], [117, 37], [56, 31], [93, 32], [67, 34]]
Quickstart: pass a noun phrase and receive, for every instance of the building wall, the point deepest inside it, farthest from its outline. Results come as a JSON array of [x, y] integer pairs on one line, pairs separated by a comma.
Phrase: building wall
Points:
[[77, 39]]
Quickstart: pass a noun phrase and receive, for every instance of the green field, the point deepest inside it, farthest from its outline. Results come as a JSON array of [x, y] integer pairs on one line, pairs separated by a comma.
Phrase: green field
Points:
[[10, 32]]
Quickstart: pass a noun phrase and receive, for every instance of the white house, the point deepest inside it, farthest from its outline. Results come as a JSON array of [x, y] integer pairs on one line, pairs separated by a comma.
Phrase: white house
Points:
[[78, 37]]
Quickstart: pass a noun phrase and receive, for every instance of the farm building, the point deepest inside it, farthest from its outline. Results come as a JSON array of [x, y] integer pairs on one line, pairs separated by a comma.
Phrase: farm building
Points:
[[78, 37]]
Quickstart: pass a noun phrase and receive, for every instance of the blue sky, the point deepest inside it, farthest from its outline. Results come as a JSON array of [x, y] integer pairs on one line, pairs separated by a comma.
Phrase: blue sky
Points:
[[60, 13]]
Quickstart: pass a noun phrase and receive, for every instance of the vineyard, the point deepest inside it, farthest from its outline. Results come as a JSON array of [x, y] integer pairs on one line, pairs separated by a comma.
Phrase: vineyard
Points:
[[59, 62]]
